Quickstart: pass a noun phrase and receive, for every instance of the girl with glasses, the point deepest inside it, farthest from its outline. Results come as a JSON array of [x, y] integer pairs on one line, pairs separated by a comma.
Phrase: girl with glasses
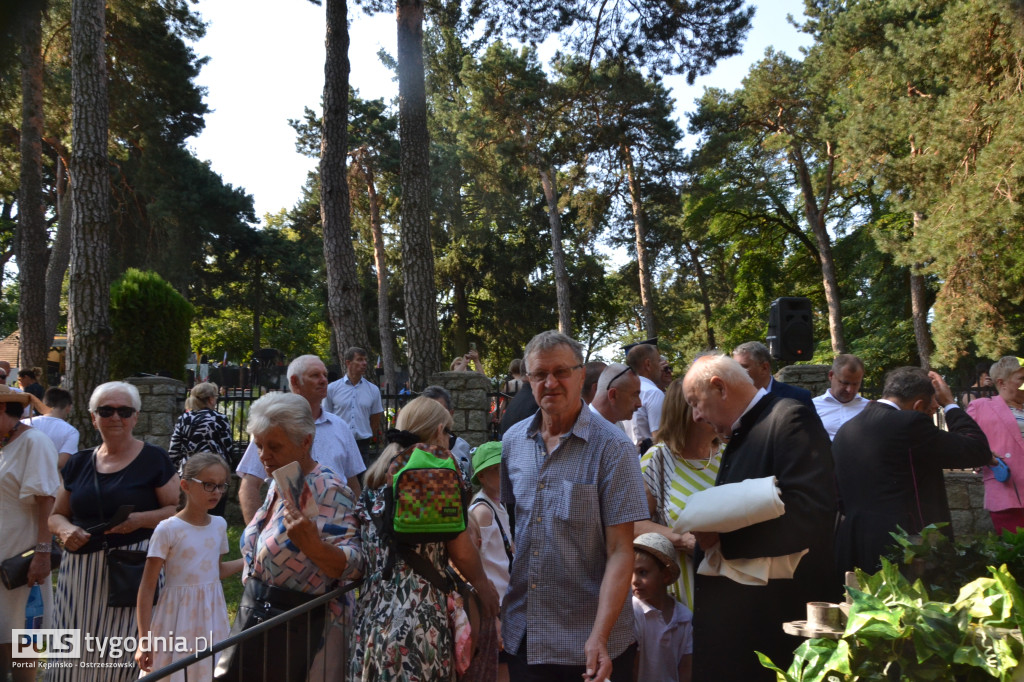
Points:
[[188, 547]]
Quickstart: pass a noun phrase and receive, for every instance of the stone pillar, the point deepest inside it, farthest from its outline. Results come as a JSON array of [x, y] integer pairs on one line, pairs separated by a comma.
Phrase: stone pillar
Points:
[[812, 377], [163, 400], [965, 491], [469, 400]]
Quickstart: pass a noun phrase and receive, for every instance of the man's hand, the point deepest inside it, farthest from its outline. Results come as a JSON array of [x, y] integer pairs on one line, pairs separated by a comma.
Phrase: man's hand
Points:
[[599, 663], [943, 394]]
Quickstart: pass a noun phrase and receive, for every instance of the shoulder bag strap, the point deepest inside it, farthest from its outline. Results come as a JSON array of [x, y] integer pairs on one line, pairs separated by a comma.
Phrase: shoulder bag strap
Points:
[[504, 537], [99, 495]]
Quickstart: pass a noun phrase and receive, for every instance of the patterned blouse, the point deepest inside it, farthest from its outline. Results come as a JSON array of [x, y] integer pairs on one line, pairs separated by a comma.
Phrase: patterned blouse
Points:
[[271, 557], [200, 431]]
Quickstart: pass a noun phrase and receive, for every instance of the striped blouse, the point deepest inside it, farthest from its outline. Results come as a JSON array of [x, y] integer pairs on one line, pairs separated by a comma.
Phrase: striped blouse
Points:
[[671, 481]]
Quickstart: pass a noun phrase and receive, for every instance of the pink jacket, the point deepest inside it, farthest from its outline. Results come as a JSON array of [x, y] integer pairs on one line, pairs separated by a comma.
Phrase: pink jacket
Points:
[[995, 419]]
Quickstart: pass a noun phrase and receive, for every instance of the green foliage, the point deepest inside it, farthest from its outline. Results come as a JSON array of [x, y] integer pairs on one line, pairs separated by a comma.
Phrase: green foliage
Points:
[[150, 322], [897, 631]]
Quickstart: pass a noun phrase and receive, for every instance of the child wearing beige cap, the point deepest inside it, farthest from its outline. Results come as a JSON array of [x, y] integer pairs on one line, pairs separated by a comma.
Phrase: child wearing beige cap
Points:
[[663, 627]]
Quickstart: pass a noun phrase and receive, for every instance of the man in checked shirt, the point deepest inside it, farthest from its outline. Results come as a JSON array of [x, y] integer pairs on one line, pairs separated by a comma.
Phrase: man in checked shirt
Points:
[[577, 489]]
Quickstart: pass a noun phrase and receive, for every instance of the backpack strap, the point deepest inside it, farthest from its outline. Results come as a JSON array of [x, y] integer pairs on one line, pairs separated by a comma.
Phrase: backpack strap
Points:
[[504, 537], [414, 559]]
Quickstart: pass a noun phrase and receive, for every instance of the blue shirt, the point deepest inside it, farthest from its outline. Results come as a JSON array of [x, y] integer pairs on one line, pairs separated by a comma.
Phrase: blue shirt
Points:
[[354, 403], [563, 503]]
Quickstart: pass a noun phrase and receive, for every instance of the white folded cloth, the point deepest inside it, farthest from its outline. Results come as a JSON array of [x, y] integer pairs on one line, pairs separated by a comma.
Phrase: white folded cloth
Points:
[[732, 506]]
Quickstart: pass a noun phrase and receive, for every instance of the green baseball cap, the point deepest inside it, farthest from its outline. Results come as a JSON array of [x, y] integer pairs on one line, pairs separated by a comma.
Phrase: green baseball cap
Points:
[[484, 456]]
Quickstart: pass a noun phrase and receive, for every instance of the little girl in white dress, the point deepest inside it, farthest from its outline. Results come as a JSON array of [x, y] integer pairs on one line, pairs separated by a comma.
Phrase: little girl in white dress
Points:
[[191, 613]]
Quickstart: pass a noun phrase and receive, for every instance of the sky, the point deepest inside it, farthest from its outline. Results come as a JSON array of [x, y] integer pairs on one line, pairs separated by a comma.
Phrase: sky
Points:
[[266, 65]]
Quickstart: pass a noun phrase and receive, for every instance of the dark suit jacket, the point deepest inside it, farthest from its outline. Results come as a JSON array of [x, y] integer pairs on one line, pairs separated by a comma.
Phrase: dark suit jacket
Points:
[[522, 406], [795, 392], [782, 438], [889, 466]]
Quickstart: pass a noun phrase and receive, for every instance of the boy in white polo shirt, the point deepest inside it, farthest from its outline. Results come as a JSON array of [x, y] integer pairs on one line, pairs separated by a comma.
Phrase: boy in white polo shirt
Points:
[[663, 627]]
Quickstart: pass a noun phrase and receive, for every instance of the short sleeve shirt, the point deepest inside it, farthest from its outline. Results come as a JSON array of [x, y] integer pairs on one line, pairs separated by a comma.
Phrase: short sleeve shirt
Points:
[[647, 418], [563, 503], [333, 446], [354, 403], [63, 435]]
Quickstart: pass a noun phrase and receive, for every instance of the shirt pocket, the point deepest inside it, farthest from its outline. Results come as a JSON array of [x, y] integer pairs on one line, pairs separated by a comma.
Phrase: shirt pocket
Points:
[[578, 504]]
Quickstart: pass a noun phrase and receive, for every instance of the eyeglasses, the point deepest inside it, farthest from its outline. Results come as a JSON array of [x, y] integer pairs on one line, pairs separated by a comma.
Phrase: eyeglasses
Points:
[[616, 377], [123, 411], [211, 487], [561, 374]]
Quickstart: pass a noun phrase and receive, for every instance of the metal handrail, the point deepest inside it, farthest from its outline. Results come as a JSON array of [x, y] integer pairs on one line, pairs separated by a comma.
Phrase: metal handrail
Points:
[[254, 631]]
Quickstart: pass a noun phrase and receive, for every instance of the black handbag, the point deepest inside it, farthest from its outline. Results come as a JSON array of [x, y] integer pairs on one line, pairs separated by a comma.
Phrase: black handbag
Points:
[[124, 566], [14, 571], [124, 576], [285, 652]]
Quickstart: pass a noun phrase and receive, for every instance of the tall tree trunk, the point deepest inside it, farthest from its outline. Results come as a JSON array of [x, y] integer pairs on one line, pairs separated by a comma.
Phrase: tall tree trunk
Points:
[[705, 296], [60, 252], [547, 182], [31, 242], [344, 300], [417, 251], [387, 338], [89, 288], [919, 308], [815, 214], [643, 257]]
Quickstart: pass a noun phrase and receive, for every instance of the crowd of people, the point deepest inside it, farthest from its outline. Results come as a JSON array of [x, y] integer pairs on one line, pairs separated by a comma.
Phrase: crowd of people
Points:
[[601, 542]]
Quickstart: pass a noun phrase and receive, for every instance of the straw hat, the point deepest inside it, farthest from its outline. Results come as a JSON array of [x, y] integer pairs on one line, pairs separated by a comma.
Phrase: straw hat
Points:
[[658, 546]]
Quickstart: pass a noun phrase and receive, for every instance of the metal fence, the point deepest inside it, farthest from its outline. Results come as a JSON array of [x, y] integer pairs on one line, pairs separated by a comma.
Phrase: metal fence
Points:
[[270, 648]]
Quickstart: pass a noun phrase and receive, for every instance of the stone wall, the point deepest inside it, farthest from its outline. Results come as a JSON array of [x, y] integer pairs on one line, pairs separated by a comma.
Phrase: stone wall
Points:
[[812, 377], [163, 400], [469, 400]]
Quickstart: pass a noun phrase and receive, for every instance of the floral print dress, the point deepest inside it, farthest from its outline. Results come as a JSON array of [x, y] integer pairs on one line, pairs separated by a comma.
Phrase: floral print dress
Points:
[[402, 631]]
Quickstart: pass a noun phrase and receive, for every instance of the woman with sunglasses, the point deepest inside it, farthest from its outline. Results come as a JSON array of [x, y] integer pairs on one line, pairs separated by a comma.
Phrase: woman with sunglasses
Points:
[[114, 495]]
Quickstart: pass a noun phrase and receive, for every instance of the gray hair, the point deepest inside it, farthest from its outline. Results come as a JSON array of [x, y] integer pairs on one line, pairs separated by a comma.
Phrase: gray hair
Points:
[[610, 372], [908, 383], [298, 366], [436, 392], [103, 391], [288, 411], [551, 339], [717, 365], [757, 351], [1003, 368]]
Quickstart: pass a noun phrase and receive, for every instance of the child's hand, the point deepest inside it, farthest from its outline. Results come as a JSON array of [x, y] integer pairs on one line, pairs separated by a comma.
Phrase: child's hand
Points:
[[145, 660]]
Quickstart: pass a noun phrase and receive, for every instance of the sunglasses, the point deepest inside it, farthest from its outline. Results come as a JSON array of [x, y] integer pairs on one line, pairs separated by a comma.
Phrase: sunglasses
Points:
[[107, 411], [616, 377], [211, 487]]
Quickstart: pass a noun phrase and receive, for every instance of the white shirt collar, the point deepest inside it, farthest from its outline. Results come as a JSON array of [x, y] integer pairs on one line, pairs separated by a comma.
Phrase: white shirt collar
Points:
[[753, 401]]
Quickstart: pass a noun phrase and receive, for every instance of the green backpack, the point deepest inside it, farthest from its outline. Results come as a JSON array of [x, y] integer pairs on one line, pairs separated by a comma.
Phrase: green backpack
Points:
[[429, 498]]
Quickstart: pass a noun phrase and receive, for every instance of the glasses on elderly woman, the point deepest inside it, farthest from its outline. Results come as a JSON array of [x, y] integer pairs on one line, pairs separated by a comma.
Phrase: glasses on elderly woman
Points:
[[123, 411]]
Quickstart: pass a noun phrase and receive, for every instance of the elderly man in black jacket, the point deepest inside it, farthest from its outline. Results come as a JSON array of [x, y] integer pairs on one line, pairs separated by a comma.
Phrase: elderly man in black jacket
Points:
[[768, 436], [889, 461]]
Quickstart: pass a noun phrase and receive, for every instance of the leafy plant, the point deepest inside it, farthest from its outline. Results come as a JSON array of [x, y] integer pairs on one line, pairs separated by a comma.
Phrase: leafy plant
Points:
[[151, 321], [895, 631]]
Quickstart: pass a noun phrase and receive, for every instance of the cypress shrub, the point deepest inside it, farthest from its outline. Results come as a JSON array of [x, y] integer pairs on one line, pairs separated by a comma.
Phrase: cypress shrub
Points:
[[150, 324]]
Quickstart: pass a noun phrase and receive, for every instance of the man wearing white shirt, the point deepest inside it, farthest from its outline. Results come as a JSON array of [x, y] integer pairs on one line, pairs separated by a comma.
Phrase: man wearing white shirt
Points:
[[841, 402], [54, 424], [645, 360], [357, 401], [333, 444]]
